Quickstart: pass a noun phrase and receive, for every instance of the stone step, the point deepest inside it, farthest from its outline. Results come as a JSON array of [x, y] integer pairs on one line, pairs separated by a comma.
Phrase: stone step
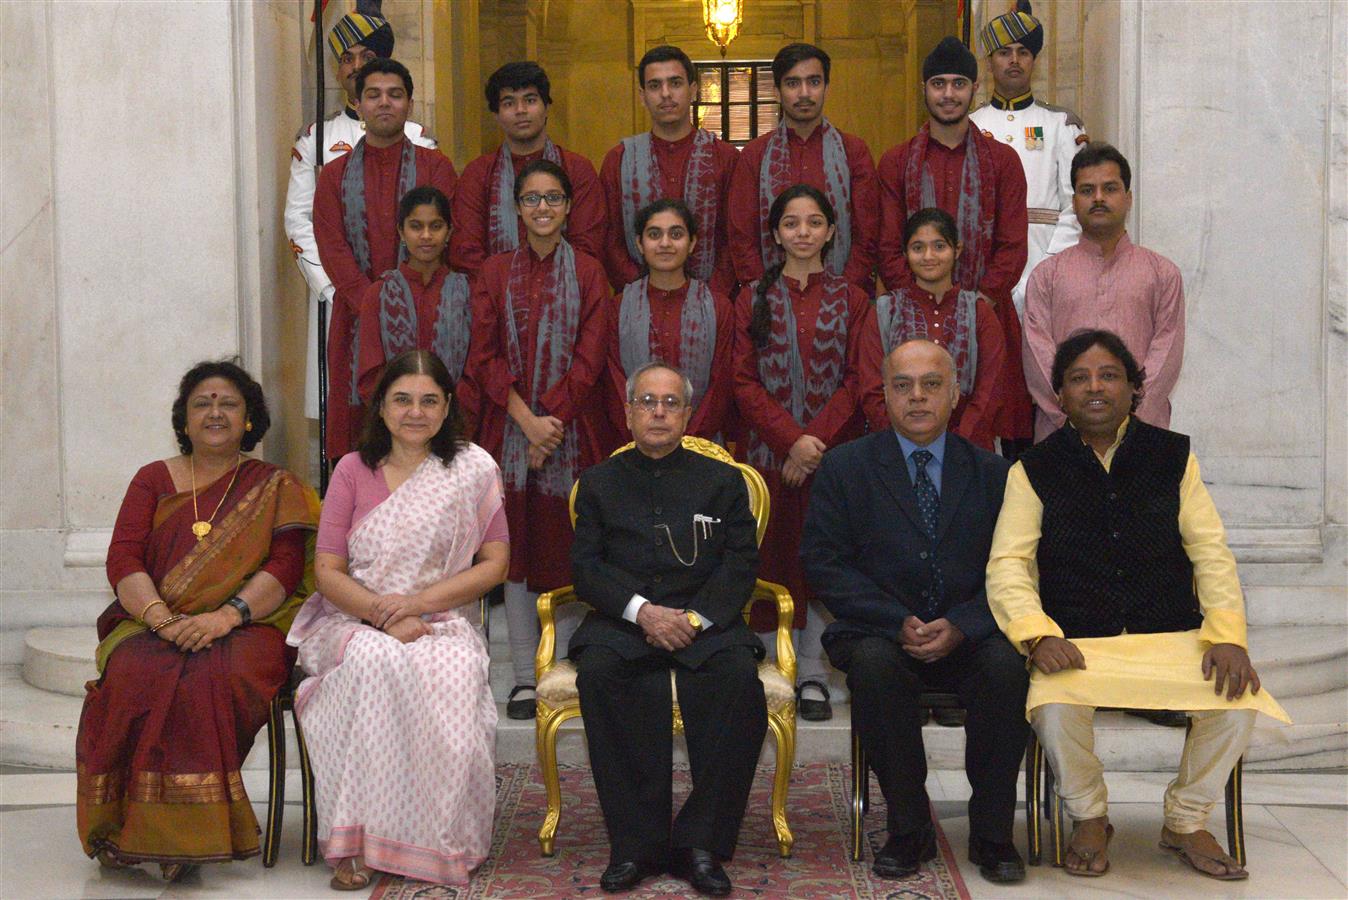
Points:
[[60, 660]]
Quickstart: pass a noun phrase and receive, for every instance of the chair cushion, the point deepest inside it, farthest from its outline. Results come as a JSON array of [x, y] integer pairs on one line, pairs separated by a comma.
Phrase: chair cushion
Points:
[[558, 687]]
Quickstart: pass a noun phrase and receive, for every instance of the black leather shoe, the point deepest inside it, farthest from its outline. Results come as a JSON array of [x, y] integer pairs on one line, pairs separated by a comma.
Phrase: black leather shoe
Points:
[[701, 869], [903, 855], [521, 709], [996, 861], [623, 876], [813, 710]]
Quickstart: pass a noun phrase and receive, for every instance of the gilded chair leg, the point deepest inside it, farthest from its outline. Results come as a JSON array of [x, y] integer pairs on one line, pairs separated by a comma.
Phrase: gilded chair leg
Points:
[[548, 723], [309, 841], [1235, 813], [860, 787], [276, 782], [1034, 763], [783, 726]]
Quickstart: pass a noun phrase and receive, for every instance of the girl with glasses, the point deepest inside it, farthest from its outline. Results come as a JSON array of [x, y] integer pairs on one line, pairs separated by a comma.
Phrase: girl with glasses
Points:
[[540, 320]]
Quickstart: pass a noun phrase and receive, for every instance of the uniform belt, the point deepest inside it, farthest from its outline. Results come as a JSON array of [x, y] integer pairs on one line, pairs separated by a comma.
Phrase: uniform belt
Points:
[[1041, 216]]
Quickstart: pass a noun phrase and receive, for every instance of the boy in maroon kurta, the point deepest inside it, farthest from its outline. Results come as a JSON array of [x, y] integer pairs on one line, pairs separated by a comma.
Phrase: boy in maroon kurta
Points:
[[540, 323], [952, 165], [671, 161], [805, 149], [519, 95], [356, 227]]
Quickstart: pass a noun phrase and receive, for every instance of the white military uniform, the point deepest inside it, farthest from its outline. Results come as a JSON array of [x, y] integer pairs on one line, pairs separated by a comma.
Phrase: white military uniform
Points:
[[1045, 138], [340, 133]]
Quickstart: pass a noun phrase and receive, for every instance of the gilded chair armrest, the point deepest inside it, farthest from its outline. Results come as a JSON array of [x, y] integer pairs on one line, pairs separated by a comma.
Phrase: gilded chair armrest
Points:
[[548, 603], [786, 611]]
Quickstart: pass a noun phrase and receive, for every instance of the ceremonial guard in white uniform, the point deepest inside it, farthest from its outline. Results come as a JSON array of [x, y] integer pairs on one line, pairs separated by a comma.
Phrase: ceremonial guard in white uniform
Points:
[[1044, 137], [356, 39]]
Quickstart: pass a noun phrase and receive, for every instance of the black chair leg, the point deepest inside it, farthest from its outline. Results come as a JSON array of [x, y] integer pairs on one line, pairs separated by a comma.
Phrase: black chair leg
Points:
[[309, 842], [1235, 813], [276, 783], [1034, 763], [860, 797]]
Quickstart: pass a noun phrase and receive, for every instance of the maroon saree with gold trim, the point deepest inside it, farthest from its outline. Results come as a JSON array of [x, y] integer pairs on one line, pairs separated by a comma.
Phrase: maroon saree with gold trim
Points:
[[164, 733]]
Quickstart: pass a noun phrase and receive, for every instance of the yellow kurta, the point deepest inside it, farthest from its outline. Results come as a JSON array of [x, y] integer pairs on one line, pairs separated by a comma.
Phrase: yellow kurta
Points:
[[1141, 671]]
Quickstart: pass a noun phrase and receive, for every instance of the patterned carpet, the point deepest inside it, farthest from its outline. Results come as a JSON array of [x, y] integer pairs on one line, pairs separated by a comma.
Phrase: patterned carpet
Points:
[[819, 867]]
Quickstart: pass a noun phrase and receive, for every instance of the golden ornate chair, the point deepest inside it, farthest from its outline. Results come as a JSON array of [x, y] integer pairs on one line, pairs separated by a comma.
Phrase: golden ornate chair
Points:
[[559, 701]]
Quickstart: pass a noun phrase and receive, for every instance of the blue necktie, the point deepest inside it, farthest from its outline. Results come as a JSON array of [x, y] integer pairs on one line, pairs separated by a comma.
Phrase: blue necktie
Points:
[[929, 507]]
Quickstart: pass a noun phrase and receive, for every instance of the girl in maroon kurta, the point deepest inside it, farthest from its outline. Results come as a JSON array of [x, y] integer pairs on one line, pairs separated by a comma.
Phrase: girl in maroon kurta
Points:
[[540, 320], [420, 305], [797, 388], [936, 309], [664, 315]]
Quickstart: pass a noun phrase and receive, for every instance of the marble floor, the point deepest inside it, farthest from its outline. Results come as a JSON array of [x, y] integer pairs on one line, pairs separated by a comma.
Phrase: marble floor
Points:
[[1296, 836]]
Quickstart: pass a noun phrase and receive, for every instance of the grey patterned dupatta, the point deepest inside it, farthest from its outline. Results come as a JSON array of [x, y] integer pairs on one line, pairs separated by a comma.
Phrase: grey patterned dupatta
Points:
[[641, 181], [774, 177], [503, 223], [782, 370], [355, 224], [398, 326], [901, 320], [697, 332], [555, 334]]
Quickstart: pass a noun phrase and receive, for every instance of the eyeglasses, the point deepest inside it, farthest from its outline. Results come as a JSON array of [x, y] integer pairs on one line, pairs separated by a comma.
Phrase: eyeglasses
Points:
[[649, 402], [552, 198]]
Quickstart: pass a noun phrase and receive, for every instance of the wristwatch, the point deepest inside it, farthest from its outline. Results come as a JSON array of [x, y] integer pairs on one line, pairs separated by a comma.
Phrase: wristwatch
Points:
[[245, 613], [694, 619]]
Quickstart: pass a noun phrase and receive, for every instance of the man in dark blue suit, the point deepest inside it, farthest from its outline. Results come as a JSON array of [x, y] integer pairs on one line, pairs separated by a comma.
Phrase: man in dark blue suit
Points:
[[896, 542]]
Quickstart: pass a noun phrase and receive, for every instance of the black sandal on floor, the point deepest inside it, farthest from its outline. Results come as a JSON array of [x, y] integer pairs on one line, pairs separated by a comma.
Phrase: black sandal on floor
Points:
[[522, 709], [813, 710]]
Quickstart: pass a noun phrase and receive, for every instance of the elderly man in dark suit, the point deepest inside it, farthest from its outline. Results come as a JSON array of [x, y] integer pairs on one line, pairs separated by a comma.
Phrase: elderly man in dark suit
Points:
[[896, 542], [666, 553]]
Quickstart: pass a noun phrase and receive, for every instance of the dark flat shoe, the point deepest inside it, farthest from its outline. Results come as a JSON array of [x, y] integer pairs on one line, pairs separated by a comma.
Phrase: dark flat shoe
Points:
[[703, 871], [950, 718], [997, 862], [902, 856], [521, 709], [623, 876], [814, 710]]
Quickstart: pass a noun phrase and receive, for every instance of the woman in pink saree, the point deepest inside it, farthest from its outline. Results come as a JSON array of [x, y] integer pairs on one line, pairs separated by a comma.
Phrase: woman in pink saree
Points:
[[397, 712]]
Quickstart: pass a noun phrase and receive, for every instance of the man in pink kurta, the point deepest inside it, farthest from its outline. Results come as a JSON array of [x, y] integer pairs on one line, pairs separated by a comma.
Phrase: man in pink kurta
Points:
[[1105, 281]]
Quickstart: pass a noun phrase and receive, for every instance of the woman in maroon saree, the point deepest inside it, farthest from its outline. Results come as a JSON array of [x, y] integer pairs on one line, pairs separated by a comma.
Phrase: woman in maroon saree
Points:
[[210, 558]]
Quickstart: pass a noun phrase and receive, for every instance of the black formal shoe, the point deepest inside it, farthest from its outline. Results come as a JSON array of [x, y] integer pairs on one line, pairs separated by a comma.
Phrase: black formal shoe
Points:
[[521, 709], [997, 862], [623, 876], [904, 854], [700, 869], [1170, 718], [813, 710], [950, 718]]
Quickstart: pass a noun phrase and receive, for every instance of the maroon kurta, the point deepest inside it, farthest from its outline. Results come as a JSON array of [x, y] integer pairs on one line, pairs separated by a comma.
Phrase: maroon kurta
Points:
[[840, 420], [383, 166], [540, 524], [973, 416], [1005, 258], [370, 366], [807, 167], [469, 245], [672, 157], [711, 416]]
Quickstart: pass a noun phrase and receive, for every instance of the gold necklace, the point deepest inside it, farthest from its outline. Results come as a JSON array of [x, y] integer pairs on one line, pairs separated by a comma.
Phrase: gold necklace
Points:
[[200, 528]]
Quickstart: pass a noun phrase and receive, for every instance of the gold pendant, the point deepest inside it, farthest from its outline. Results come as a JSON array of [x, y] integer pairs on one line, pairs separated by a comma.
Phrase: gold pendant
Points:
[[201, 529]]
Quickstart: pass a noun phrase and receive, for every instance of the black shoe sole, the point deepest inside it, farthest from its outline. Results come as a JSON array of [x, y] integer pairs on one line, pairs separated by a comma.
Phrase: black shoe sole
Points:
[[814, 710], [521, 709], [1002, 872], [904, 871]]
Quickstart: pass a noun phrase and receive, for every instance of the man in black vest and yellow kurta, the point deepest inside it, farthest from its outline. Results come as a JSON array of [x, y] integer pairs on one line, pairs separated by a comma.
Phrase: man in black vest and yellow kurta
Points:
[[1110, 570], [666, 553]]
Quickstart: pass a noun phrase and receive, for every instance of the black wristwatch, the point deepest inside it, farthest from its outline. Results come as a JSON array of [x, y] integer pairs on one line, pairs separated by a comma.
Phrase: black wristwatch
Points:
[[244, 612]]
